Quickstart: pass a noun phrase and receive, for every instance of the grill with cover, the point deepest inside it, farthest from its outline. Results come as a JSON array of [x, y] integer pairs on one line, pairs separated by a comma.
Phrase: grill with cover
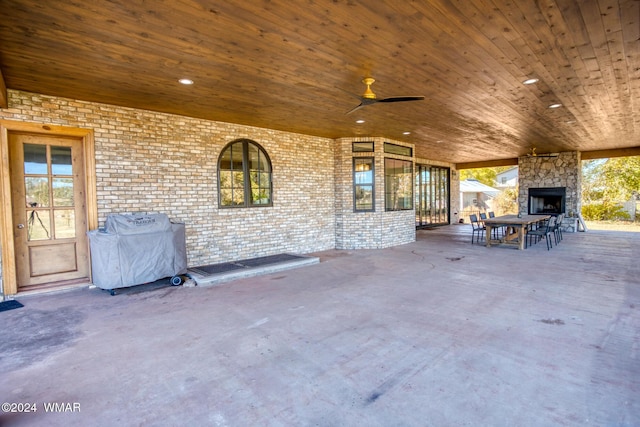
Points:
[[136, 249]]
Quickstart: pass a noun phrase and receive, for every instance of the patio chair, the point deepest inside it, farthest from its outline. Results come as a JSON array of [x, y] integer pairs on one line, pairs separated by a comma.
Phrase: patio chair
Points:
[[497, 229], [545, 232], [558, 228], [477, 227]]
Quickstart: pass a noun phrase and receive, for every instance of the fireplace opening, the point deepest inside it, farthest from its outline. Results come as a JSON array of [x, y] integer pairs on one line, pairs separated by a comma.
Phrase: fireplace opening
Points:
[[548, 200]]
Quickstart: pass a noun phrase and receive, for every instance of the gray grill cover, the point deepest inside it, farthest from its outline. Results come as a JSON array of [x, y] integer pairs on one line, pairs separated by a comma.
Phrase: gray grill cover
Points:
[[136, 249]]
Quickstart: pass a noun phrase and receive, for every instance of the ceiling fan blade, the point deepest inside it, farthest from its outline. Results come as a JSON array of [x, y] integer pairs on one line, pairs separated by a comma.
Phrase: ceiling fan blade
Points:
[[369, 97], [401, 99], [363, 103], [356, 108]]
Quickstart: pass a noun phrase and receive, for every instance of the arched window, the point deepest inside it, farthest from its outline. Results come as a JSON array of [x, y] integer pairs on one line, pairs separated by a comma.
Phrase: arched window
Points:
[[244, 175]]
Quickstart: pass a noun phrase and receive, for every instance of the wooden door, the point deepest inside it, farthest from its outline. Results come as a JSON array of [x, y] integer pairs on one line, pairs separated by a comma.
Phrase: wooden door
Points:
[[49, 210]]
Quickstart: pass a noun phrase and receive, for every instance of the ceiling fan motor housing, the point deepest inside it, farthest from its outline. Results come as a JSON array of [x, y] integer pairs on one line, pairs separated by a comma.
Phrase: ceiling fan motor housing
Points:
[[368, 93]]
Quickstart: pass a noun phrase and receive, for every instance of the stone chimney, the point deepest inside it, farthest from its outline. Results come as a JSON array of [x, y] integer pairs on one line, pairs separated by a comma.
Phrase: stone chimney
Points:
[[561, 170]]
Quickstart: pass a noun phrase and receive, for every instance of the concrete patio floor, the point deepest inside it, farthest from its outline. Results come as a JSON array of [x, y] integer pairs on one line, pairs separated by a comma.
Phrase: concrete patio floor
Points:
[[434, 333]]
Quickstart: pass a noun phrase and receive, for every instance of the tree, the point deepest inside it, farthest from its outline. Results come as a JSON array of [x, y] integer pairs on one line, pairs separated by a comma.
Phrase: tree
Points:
[[487, 176], [606, 183], [613, 180], [592, 185], [622, 176], [506, 202]]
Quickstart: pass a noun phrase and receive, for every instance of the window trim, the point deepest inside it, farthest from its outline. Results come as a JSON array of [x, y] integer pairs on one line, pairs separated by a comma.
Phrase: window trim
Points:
[[372, 184], [363, 146], [411, 186], [398, 150], [246, 175]]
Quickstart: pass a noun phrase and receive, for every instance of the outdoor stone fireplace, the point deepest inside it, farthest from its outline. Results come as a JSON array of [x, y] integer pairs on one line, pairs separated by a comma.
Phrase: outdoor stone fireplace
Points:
[[554, 181], [550, 200]]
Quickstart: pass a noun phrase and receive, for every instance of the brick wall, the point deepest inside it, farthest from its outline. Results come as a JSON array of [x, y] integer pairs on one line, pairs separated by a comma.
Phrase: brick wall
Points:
[[155, 162], [367, 230]]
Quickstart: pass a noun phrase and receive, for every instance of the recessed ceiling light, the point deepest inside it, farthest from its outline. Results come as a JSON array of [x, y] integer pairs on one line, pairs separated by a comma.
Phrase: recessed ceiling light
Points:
[[530, 81], [360, 121], [556, 105], [186, 81], [406, 133]]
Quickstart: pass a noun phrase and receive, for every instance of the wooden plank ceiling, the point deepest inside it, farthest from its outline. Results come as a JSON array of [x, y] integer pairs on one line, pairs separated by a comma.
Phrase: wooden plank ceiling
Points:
[[297, 66]]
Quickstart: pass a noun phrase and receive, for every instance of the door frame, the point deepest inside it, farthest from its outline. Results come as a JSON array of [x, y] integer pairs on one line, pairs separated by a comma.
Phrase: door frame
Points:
[[9, 275], [419, 168]]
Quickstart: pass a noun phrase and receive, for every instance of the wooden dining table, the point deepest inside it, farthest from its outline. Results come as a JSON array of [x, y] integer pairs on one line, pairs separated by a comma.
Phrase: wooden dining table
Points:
[[516, 228]]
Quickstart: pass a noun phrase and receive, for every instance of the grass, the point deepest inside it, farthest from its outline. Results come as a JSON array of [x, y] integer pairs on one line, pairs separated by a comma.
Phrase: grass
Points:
[[614, 225]]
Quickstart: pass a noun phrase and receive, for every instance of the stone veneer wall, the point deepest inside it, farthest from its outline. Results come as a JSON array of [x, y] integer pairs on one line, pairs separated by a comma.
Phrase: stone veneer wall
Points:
[[156, 162], [562, 171], [367, 230]]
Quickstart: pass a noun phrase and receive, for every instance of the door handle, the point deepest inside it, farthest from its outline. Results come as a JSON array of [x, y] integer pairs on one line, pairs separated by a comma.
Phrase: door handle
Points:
[[20, 226]]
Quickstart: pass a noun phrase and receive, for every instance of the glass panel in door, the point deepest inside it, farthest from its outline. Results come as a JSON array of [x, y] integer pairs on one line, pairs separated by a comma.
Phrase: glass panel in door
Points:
[[47, 189], [432, 195]]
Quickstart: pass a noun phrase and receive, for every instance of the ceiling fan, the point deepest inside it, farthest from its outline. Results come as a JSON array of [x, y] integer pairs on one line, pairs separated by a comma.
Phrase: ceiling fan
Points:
[[368, 97], [532, 153]]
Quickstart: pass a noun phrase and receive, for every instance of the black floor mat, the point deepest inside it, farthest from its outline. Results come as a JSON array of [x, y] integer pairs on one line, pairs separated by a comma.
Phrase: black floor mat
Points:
[[10, 305], [266, 260], [216, 268], [210, 269]]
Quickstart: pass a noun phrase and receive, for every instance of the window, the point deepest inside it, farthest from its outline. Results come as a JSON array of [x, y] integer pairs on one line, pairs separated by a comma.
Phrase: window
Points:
[[244, 175], [400, 150], [363, 184], [398, 184], [362, 147]]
